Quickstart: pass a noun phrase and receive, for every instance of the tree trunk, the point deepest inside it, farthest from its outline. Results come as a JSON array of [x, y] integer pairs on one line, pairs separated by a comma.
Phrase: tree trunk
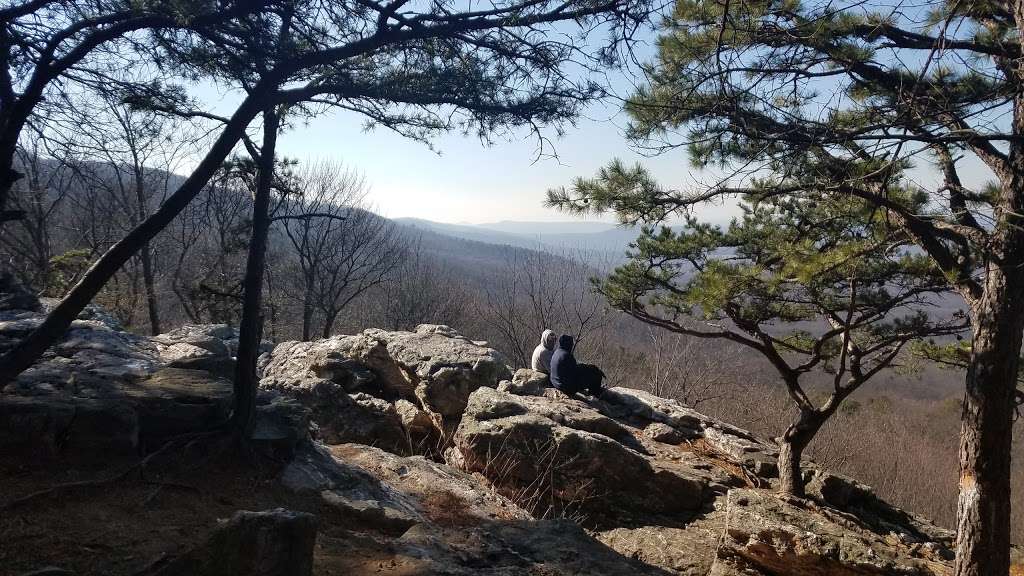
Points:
[[329, 319], [307, 312], [149, 284], [146, 255], [983, 508], [250, 327], [791, 449], [57, 322], [11, 130]]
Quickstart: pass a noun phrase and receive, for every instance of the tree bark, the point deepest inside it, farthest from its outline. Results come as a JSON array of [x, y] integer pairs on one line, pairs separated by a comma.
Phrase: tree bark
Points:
[[330, 317], [791, 449], [307, 312], [18, 359], [986, 437], [146, 255], [250, 327], [149, 285]]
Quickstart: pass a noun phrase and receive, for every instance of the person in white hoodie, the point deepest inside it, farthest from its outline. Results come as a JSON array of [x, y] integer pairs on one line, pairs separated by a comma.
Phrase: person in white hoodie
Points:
[[541, 361]]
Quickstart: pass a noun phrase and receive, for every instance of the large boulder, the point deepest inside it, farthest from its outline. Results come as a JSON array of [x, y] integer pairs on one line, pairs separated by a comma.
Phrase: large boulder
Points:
[[402, 391], [91, 359], [342, 417], [445, 366], [210, 347], [356, 363], [113, 417], [560, 455], [195, 341]]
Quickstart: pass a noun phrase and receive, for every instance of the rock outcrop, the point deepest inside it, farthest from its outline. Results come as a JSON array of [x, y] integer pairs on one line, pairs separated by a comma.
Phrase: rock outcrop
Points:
[[401, 391], [435, 458], [765, 534], [102, 390]]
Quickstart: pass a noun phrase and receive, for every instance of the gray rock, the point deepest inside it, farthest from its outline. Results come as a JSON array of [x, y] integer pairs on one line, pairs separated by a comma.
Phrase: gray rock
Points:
[[525, 382], [433, 367], [193, 341], [664, 433], [514, 441], [344, 417], [335, 359], [547, 547], [443, 495], [766, 534], [349, 490], [275, 542], [650, 407]]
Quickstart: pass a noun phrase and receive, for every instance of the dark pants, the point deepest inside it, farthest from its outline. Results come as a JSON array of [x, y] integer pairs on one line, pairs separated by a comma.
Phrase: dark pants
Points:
[[587, 379]]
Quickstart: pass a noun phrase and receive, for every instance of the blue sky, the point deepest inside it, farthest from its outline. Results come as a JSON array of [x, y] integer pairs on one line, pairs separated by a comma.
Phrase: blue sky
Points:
[[465, 181]]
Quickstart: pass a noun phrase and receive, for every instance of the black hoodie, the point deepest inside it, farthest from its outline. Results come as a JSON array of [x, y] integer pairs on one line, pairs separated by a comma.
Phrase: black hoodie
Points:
[[563, 363]]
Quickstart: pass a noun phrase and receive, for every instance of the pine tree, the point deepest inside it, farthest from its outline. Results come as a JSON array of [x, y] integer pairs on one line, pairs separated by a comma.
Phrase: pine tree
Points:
[[812, 286], [794, 99]]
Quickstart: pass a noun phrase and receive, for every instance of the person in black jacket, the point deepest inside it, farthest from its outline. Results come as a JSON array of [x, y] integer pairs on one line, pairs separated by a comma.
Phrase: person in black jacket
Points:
[[570, 377]]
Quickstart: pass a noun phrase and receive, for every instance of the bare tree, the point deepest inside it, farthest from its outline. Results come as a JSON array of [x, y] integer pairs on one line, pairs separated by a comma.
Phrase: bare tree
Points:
[[680, 367], [540, 290], [423, 291], [132, 155], [342, 249], [29, 243]]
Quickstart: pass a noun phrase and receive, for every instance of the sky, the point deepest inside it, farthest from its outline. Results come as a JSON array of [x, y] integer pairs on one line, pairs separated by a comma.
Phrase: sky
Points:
[[463, 180]]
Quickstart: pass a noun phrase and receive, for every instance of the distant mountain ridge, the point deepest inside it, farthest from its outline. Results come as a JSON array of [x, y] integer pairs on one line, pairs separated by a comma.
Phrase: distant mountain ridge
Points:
[[598, 238]]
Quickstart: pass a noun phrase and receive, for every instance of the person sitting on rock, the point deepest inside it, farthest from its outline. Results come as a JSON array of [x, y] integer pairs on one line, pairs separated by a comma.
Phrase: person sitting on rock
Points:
[[570, 377], [541, 361]]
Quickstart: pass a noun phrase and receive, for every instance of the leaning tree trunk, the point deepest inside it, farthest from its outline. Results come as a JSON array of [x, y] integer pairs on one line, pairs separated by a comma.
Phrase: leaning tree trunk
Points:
[[250, 327], [983, 507], [19, 358], [791, 449]]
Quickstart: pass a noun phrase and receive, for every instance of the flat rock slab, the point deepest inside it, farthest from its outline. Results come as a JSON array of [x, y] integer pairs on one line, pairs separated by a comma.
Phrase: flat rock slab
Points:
[[115, 418], [687, 551], [444, 495], [766, 534], [544, 547], [349, 490]]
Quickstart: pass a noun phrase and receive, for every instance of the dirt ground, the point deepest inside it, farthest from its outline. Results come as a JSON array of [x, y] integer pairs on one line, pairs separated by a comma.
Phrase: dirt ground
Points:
[[130, 525]]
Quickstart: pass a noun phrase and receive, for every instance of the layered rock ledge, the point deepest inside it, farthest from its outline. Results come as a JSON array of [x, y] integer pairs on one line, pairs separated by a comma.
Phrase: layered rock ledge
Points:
[[443, 460]]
